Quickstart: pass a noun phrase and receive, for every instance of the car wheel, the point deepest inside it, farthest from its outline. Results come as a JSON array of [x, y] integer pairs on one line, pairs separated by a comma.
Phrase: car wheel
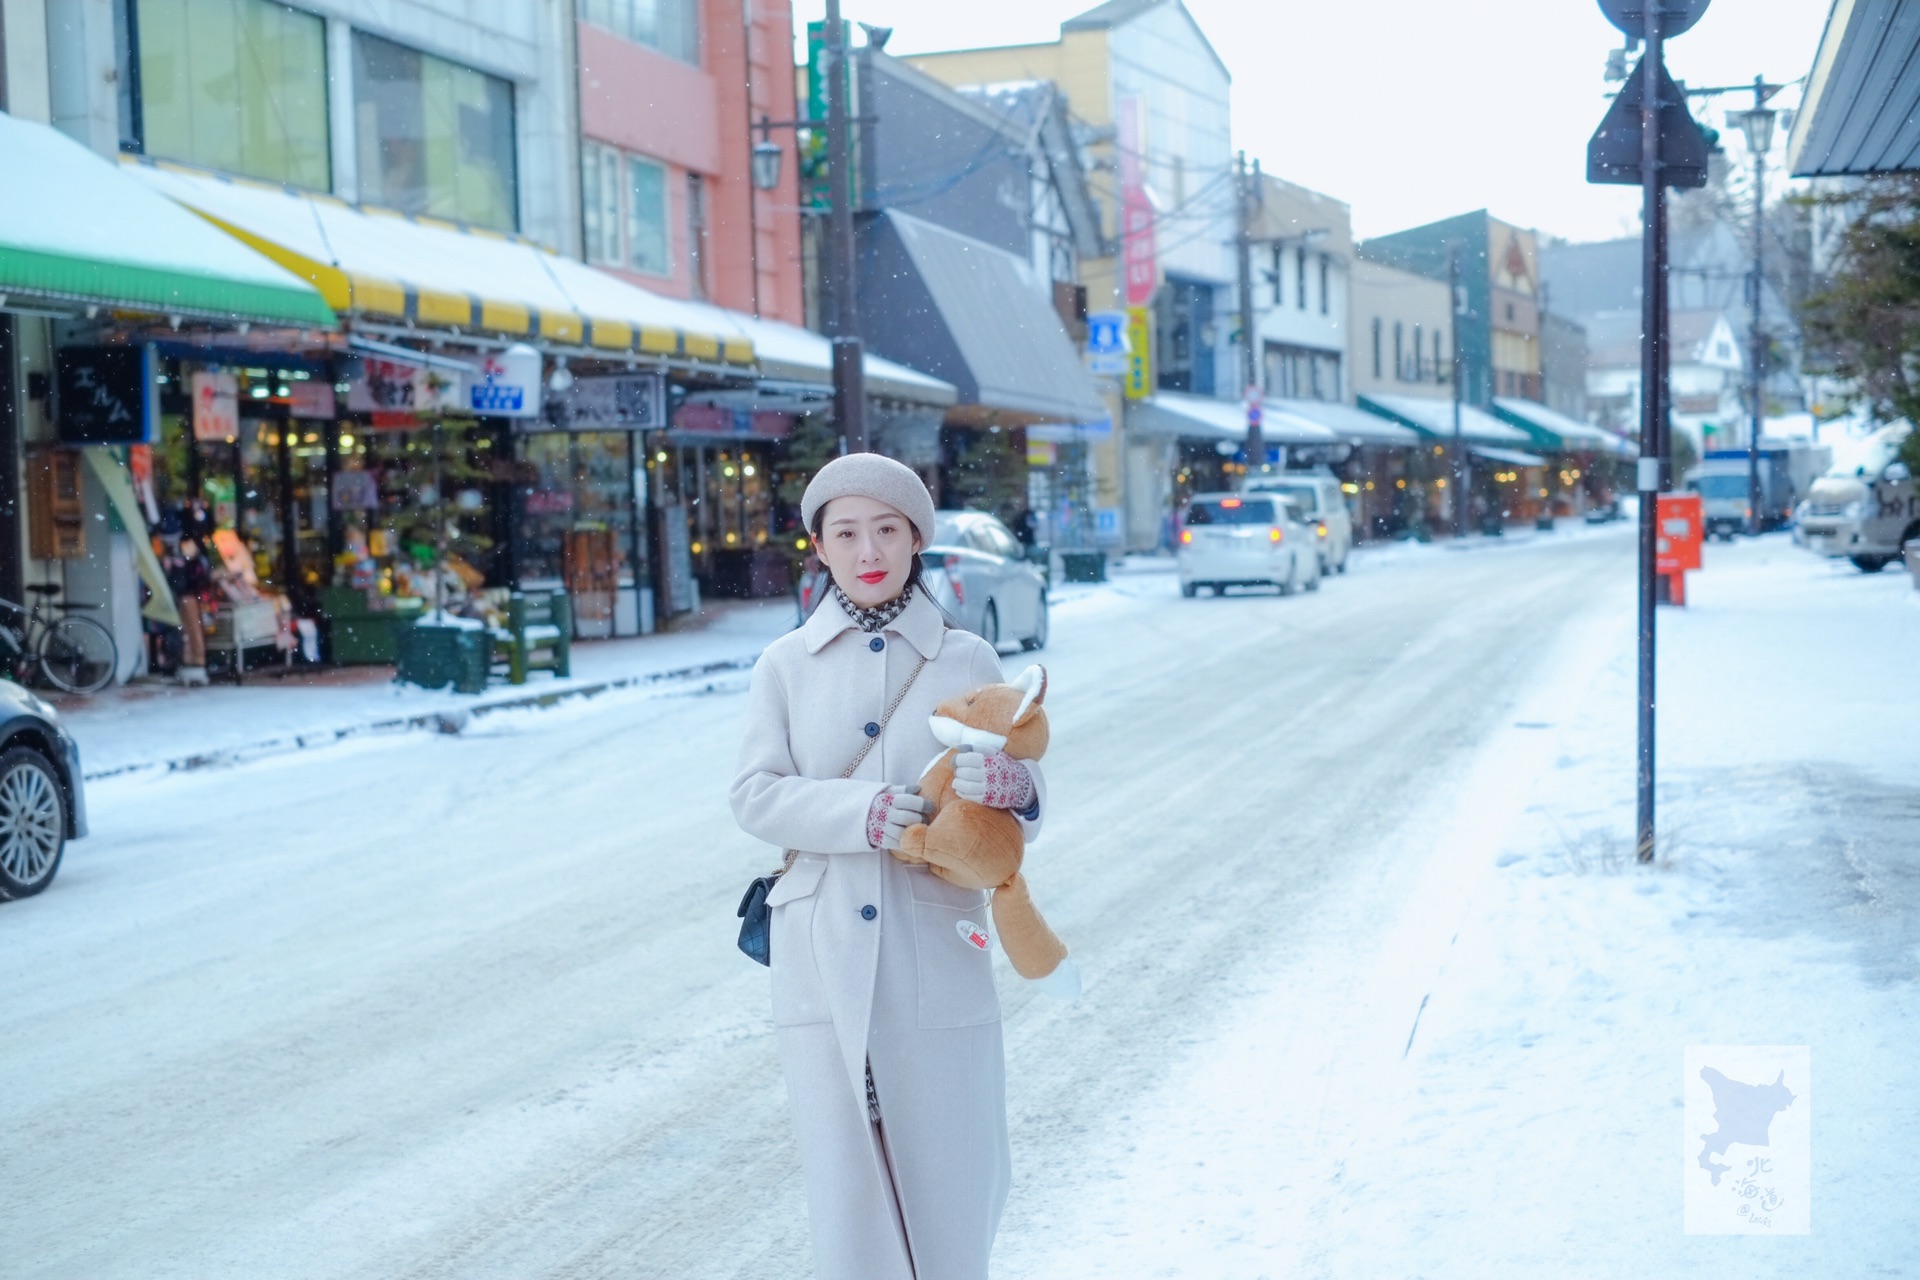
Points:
[[1313, 579], [1038, 640], [1870, 564], [33, 823], [1189, 589], [990, 625], [1218, 588], [1342, 566], [1287, 584]]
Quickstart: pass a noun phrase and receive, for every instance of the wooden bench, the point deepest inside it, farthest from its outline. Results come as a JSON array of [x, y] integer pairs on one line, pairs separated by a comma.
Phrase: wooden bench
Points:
[[538, 635]]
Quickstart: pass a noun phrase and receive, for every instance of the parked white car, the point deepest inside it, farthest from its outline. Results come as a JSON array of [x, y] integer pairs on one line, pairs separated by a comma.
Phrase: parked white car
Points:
[[1317, 494], [978, 572], [1246, 540]]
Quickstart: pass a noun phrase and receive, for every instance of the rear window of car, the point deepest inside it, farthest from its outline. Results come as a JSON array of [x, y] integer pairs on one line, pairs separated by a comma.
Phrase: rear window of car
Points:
[[1305, 496], [1232, 511]]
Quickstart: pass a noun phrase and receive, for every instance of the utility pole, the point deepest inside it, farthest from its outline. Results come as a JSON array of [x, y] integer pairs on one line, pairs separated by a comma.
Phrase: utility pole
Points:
[[1462, 473], [1653, 437], [1246, 193], [1648, 139], [849, 370], [1759, 130]]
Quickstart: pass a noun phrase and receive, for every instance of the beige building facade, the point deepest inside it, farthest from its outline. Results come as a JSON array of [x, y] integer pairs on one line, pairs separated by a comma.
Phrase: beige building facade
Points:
[[1401, 330]]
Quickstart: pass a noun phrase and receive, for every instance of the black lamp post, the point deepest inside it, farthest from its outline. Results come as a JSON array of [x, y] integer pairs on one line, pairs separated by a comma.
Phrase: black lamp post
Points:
[[1758, 126]]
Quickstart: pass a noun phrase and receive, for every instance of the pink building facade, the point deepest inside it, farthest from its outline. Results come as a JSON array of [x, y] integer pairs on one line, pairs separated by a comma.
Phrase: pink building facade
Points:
[[667, 105]]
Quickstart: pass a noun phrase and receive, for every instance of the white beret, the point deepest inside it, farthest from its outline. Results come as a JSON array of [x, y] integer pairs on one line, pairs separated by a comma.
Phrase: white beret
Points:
[[871, 475]]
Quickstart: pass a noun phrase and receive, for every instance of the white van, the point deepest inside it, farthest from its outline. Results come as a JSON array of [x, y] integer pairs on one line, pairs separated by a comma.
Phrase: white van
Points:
[[1867, 507], [1317, 495]]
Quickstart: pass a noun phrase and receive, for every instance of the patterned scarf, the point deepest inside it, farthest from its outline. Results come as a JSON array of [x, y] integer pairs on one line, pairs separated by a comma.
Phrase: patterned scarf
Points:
[[879, 615]]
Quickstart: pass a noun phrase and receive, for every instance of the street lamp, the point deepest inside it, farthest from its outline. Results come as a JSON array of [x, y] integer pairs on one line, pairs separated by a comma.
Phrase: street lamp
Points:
[[766, 165], [1757, 124]]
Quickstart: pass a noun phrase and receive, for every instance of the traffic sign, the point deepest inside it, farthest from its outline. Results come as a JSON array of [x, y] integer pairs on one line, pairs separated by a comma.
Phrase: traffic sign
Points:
[[1107, 343], [1613, 154], [1631, 15]]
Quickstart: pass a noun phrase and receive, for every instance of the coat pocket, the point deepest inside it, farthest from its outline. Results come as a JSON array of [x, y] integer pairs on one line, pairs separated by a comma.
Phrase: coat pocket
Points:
[[799, 997], [955, 963]]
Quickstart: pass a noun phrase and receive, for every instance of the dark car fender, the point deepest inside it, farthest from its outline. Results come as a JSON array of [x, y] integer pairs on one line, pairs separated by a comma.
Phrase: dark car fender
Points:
[[62, 752]]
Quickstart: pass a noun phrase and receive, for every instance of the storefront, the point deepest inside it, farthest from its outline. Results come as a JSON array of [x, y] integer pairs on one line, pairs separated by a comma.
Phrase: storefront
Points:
[[92, 254], [1382, 471], [1503, 476], [458, 491]]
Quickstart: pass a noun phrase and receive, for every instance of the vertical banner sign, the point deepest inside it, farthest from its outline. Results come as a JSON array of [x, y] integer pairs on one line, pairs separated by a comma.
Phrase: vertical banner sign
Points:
[[216, 405], [811, 144], [1139, 375], [1136, 211]]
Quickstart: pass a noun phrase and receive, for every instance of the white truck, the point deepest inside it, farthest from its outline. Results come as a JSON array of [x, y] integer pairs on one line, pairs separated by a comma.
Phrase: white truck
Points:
[[1787, 471], [1867, 507]]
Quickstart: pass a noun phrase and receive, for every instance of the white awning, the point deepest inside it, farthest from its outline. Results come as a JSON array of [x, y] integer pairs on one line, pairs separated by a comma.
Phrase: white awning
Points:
[[1355, 426], [1512, 457], [1434, 419], [1554, 430], [393, 268], [77, 232], [1176, 414], [786, 351]]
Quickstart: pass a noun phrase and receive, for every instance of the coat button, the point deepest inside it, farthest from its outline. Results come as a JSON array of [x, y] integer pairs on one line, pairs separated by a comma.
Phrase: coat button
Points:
[[876, 644], [873, 730], [867, 912]]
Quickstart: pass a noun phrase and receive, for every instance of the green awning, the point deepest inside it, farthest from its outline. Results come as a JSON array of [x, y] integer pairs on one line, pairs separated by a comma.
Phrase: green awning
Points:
[[77, 232]]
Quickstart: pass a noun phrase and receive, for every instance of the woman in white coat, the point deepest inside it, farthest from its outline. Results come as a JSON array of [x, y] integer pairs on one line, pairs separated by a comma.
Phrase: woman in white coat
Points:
[[885, 1011]]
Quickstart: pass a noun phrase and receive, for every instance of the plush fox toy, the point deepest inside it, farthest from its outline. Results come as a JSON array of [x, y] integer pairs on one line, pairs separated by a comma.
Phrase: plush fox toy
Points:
[[978, 847]]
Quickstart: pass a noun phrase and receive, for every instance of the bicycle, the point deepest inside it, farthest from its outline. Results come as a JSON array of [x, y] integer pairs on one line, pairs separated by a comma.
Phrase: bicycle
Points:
[[75, 655]]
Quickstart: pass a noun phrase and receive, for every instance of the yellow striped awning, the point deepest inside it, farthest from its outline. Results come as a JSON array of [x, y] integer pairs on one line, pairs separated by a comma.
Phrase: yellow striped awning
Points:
[[401, 268]]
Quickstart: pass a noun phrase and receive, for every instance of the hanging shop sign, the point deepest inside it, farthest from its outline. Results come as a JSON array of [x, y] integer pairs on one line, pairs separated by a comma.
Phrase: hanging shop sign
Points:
[[509, 384], [733, 424], [620, 402], [216, 405], [1139, 374], [403, 396], [105, 395], [312, 398], [1319, 455]]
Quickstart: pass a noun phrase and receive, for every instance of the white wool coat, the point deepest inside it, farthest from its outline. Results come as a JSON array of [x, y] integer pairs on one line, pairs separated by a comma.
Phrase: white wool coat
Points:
[[871, 963]]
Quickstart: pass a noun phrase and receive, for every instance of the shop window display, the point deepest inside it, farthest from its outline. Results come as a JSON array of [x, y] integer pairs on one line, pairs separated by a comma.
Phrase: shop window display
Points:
[[725, 494], [578, 526], [240, 529], [414, 513]]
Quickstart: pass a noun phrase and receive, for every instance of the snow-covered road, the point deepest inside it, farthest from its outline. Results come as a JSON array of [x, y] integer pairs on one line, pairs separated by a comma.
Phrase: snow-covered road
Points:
[[468, 1006]]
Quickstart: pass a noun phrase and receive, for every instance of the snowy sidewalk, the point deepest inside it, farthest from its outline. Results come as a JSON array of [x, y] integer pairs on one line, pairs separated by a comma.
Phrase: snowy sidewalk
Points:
[[1495, 1085], [144, 726]]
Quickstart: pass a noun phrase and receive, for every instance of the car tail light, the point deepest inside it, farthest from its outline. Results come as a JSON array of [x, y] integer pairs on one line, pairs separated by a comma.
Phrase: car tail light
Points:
[[1320, 529], [952, 564], [1275, 535], [1229, 503], [1186, 537]]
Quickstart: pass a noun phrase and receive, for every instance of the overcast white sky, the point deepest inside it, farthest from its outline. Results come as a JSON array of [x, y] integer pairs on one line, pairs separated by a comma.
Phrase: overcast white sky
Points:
[[1411, 110]]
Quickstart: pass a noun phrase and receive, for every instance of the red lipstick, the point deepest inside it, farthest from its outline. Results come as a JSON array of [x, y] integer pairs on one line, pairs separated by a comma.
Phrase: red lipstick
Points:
[[875, 578]]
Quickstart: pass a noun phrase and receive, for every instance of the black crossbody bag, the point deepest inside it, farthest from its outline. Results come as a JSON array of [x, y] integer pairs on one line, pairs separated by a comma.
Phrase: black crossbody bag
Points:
[[756, 918]]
